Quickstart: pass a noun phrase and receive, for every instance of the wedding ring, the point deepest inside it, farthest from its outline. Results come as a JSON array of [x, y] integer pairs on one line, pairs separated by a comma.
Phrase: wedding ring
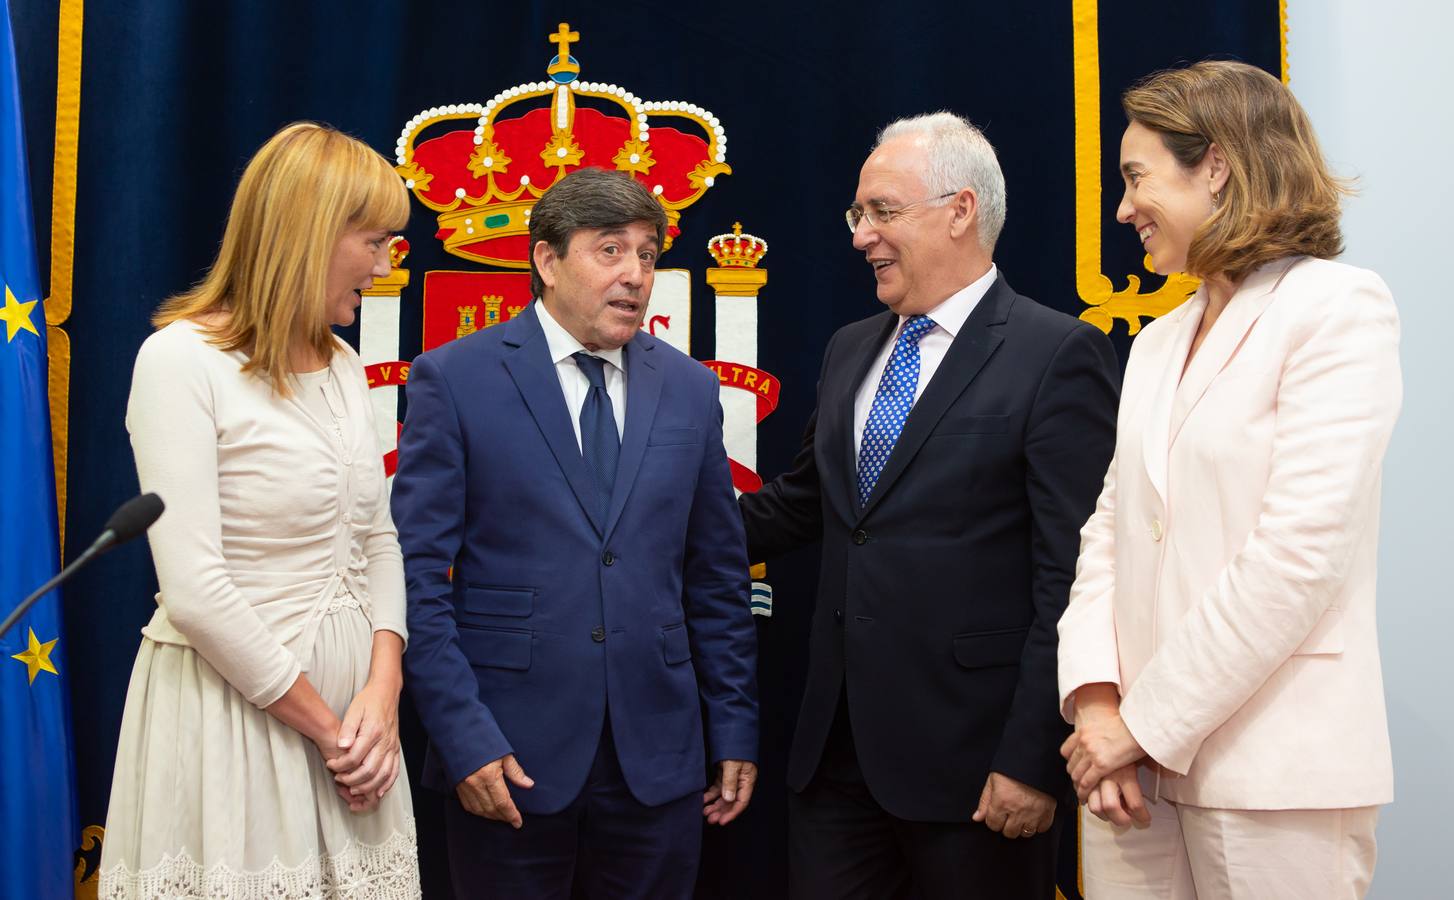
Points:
[[1027, 832]]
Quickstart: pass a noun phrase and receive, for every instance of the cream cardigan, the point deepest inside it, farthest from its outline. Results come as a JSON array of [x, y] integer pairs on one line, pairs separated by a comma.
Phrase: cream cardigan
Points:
[[271, 514]]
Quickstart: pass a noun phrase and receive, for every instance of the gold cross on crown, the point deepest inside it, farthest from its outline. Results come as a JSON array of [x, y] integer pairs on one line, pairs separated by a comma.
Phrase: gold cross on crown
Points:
[[564, 38]]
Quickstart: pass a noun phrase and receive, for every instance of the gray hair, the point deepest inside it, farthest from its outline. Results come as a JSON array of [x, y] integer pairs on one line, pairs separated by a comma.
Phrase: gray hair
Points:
[[590, 198], [959, 157]]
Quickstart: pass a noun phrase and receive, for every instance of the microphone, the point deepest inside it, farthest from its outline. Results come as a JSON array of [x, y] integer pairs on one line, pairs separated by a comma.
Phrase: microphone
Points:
[[128, 522]]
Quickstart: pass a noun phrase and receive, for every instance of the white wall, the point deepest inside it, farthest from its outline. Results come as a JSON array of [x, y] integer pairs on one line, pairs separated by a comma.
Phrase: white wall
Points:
[[1376, 77]]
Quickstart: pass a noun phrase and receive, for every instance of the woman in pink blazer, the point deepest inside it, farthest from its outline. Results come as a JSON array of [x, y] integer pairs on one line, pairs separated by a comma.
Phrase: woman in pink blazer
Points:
[[1219, 652]]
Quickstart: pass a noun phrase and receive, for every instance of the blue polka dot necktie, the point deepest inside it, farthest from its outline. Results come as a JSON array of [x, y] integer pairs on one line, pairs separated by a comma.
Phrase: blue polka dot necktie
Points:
[[600, 442], [891, 405]]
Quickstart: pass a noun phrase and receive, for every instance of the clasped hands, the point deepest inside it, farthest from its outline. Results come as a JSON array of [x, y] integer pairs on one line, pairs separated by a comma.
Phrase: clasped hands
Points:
[[1102, 756], [364, 758]]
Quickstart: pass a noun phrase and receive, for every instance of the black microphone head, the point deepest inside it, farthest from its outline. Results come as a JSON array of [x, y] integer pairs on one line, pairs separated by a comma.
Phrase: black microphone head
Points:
[[134, 516]]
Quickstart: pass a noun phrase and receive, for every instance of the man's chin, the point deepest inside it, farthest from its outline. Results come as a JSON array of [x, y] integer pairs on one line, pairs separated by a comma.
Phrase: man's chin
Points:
[[627, 334], [615, 339]]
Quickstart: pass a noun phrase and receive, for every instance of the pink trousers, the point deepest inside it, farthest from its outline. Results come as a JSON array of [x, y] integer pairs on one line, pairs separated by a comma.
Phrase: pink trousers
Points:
[[1193, 853]]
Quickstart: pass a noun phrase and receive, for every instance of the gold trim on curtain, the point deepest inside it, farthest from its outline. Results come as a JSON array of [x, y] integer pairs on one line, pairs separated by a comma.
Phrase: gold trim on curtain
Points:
[[63, 241]]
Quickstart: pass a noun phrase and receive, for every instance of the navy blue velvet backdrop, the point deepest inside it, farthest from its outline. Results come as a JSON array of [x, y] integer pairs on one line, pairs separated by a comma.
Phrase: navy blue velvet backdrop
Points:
[[176, 95]]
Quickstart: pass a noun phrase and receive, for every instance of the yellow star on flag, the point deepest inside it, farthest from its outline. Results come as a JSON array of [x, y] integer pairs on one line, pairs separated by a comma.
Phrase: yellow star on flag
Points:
[[37, 656], [16, 316]]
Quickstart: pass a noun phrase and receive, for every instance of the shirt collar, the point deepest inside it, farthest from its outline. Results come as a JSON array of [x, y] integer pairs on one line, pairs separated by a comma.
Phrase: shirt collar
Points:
[[951, 314], [562, 344]]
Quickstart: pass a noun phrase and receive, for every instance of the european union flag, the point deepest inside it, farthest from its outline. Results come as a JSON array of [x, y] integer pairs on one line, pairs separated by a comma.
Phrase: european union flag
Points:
[[37, 774]]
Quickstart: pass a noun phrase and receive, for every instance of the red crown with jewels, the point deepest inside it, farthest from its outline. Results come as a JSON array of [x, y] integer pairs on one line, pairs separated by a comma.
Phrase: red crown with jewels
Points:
[[484, 181]]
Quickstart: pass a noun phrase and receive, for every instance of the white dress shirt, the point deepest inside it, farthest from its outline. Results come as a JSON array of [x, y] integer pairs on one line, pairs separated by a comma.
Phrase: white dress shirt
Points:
[[573, 382], [948, 317]]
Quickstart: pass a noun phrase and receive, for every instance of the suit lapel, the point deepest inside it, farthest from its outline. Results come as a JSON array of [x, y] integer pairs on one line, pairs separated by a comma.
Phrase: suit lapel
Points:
[[1156, 438], [643, 391], [971, 349], [1225, 338], [535, 377]]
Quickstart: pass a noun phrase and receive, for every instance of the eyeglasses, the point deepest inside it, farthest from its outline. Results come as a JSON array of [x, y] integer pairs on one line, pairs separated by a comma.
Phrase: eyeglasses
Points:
[[880, 215]]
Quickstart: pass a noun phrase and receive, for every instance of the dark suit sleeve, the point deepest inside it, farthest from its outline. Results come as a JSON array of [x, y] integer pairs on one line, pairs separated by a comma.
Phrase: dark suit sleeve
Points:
[[429, 511], [787, 512], [1070, 435], [715, 587]]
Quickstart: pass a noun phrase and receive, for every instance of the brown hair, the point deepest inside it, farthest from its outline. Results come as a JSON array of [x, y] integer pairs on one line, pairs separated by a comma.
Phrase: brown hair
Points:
[[1280, 199], [303, 189], [590, 198]]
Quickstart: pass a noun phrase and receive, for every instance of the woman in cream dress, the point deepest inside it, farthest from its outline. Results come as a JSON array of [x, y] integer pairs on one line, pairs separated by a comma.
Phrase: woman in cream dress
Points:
[[259, 753], [1219, 654]]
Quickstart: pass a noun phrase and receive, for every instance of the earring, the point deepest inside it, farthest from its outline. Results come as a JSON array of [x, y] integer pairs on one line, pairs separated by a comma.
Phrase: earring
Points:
[[1216, 201]]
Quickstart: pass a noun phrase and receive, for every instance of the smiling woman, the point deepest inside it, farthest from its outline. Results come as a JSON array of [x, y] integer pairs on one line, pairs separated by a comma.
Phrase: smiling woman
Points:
[[1233, 155], [1221, 630], [305, 191], [1165, 201], [259, 748], [358, 258]]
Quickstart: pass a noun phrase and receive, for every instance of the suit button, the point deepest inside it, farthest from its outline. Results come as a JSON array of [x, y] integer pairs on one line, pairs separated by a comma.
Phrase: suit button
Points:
[[609, 558], [838, 615], [598, 634], [1156, 531], [860, 537]]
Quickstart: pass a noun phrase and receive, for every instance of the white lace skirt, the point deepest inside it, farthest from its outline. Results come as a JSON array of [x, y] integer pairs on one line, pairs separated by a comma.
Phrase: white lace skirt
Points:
[[214, 798]]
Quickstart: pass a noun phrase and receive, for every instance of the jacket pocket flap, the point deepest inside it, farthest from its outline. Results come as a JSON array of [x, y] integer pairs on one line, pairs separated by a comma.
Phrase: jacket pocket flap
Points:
[[495, 648], [973, 425], [682, 434], [990, 648], [494, 601], [1326, 636], [675, 648]]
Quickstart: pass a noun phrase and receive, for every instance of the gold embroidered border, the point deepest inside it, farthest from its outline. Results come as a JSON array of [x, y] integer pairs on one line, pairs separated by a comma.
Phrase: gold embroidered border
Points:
[[1282, 37], [63, 241], [1104, 303]]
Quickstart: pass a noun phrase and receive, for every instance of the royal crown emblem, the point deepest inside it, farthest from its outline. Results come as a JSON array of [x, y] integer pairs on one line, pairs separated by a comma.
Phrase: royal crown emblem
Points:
[[481, 166], [737, 250], [484, 182]]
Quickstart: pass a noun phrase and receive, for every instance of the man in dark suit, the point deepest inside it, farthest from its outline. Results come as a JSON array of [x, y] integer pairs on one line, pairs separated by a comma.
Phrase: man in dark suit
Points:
[[957, 448], [577, 579]]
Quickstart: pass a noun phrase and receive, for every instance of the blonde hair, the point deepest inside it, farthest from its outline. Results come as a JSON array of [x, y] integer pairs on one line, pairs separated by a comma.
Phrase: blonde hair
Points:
[[1280, 199], [300, 193]]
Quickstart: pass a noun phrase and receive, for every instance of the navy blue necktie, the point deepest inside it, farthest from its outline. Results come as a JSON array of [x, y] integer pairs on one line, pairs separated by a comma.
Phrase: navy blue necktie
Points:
[[891, 405], [600, 442]]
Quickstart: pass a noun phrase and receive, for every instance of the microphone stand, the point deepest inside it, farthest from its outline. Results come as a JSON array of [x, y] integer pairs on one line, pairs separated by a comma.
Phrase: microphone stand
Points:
[[102, 543]]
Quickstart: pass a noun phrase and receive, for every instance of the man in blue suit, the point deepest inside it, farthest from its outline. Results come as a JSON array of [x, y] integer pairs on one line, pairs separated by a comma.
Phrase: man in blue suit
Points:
[[577, 575]]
